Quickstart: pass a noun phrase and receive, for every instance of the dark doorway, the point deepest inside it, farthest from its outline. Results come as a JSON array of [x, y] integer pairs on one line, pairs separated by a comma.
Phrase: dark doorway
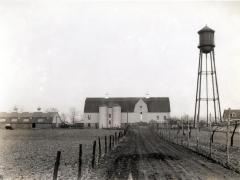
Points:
[[33, 125]]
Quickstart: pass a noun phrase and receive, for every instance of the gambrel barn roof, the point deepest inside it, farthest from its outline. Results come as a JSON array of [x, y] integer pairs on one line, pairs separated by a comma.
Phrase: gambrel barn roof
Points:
[[154, 104]]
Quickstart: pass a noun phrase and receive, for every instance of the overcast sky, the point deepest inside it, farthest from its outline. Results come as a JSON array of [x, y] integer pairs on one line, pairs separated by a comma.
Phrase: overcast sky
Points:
[[57, 53]]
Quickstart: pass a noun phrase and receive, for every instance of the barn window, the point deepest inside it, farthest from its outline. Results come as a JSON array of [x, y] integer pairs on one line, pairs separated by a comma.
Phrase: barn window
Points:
[[25, 120], [2, 120], [110, 115], [233, 114], [89, 125], [14, 120], [40, 120]]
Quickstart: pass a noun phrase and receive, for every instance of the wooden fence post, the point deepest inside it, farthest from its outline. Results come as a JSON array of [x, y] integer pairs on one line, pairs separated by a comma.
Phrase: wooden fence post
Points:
[[188, 144], [160, 130], [227, 135], [210, 135], [197, 134], [105, 145], [93, 154], [169, 133], [113, 141], [99, 149], [164, 131], [118, 136], [56, 166], [182, 132], [177, 134], [80, 162], [110, 143], [115, 137]]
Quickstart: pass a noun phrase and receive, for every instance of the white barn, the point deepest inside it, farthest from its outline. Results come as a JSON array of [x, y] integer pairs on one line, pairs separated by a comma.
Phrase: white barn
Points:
[[116, 112]]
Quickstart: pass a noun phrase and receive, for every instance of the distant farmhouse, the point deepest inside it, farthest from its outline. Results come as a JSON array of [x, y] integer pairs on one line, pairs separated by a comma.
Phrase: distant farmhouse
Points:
[[117, 112], [29, 120], [234, 114]]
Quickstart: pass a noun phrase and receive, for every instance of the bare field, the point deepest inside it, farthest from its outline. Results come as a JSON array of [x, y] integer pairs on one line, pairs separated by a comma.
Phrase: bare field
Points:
[[30, 154]]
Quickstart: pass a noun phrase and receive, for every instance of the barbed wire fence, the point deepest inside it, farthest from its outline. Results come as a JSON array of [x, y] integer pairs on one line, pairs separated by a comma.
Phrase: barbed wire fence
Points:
[[219, 142]]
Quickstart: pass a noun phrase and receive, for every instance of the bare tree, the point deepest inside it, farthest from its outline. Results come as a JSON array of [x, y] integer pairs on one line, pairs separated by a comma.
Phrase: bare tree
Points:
[[73, 114]]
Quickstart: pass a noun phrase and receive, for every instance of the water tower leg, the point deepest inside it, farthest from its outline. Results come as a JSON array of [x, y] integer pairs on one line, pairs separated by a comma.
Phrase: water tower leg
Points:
[[207, 86], [196, 100], [213, 86], [200, 87], [219, 106]]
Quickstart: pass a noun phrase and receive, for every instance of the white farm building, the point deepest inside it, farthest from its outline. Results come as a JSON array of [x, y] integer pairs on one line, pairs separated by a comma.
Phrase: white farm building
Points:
[[116, 112]]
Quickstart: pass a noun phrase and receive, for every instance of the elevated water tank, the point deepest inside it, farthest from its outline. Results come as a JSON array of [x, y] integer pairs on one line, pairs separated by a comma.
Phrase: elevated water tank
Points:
[[103, 116], [117, 116], [206, 39]]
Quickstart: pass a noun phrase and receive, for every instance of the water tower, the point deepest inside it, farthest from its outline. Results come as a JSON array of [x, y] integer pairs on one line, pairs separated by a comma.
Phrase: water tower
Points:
[[207, 72]]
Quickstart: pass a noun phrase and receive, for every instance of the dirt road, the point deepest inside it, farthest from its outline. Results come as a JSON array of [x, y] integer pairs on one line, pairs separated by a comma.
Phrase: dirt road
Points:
[[144, 155]]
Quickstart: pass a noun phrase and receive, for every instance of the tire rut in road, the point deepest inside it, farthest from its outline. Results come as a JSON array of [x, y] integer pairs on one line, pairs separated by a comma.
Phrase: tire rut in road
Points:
[[145, 156], [162, 168]]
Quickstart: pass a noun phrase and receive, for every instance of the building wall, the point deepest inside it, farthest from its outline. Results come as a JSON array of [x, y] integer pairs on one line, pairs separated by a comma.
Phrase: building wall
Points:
[[146, 117], [91, 125], [91, 118], [158, 117], [22, 125], [29, 125], [43, 126], [128, 118]]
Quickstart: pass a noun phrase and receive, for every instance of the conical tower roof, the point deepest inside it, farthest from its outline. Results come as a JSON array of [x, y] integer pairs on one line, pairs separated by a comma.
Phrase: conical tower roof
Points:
[[205, 29]]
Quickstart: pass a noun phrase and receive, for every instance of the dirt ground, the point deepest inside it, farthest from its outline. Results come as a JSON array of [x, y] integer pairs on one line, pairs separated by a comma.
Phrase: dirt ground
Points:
[[144, 155], [31, 154]]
